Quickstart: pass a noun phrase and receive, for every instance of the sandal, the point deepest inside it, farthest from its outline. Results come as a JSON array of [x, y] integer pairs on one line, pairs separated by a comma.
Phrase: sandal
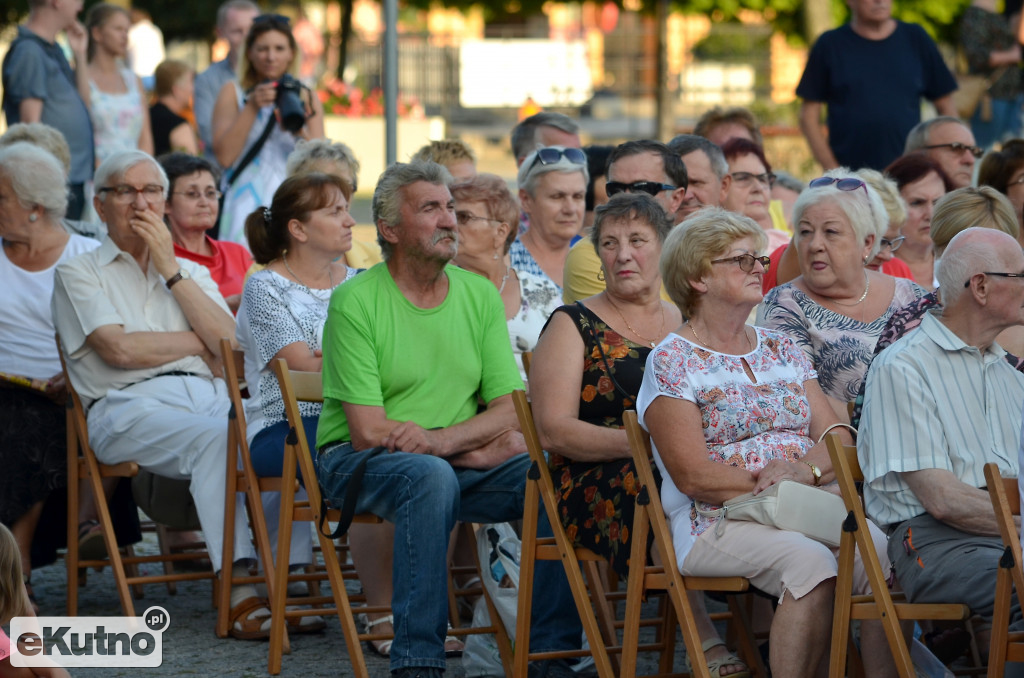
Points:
[[91, 545], [250, 619], [382, 648], [453, 647], [715, 666]]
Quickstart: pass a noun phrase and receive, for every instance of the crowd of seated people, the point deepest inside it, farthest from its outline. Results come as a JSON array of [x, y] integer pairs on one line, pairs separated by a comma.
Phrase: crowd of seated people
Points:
[[635, 273]]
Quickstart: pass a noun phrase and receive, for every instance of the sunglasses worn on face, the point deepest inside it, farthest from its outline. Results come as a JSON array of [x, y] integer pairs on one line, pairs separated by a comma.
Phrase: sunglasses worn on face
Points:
[[847, 184], [651, 188], [997, 274], [746, 178], [957, 147], [550, 155], [746, 261], [893, 244]]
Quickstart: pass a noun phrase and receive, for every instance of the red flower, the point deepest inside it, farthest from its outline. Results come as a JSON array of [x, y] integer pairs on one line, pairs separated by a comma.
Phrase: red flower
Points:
[[605, 386], [588, 493], [613, 531]]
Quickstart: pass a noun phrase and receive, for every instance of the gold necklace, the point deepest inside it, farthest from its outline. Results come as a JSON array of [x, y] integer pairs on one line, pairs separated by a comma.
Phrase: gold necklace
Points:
[[661, 327], [867, 286], [750, 346]]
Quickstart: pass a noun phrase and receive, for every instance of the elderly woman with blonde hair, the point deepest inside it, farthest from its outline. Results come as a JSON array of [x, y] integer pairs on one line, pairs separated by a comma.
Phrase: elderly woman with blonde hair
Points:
[[733, 409]]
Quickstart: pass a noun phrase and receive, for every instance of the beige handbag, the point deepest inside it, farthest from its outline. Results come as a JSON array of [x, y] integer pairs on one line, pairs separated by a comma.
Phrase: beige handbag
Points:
[[972, 91], [789, 505]]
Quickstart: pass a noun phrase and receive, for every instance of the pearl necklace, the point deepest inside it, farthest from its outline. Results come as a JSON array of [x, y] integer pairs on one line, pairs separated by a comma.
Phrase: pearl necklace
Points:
[[330, 276], [661, 327]]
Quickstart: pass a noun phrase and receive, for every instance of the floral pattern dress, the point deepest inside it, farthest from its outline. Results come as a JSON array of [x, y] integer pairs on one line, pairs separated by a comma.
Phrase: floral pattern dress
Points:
[[840, 347], [747, 423], [538, 300], [596, 499]]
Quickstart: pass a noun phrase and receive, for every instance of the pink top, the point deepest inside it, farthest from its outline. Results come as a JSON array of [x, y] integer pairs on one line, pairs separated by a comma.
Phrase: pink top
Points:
[[227, 265], [5, 646]]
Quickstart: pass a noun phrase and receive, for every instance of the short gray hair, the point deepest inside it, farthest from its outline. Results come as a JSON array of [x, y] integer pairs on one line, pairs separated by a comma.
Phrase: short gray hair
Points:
[[684, 144], [36, 177], [631, 207], [388, 195], [113, 170], [310, 152], [962, 260], [524, 135], [788, 181], [867, 217], [917, 138], [530, 171], [222, 11], [42, 135]]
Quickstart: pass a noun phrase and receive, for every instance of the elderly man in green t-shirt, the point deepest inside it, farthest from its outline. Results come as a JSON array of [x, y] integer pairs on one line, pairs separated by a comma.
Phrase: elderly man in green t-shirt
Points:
[[411, 349]]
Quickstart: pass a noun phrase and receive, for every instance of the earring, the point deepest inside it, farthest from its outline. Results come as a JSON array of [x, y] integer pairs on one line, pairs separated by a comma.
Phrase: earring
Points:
[[495, 256], [600, 274], [33, 217], [866, 260]]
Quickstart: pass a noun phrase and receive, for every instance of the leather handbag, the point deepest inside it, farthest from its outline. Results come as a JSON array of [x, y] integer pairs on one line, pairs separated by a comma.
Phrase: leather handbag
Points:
[[789, 505], [972, 91]]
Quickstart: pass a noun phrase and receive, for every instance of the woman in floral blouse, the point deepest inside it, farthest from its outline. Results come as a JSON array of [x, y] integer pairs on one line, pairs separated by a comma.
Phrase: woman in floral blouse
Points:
[[734, 409]]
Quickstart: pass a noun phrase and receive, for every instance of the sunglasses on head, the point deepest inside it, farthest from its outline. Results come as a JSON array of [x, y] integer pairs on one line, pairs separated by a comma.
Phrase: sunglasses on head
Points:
[[651, 188], [550, 156], [846, 184], [271, 19]]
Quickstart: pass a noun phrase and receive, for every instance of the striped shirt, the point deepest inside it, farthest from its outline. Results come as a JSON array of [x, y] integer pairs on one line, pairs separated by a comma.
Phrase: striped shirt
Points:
[[933, 402]]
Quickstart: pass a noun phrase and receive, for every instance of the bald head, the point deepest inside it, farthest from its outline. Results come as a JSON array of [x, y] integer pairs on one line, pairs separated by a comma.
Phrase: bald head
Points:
[[974, 251]]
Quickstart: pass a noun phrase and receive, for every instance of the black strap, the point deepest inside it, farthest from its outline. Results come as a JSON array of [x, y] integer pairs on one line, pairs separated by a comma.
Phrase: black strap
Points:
[[254, 150], [604, 359], [348, 502]]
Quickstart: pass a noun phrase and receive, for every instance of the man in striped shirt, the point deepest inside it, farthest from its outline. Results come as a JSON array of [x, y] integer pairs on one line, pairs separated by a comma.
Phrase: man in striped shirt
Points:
[[941, 403]]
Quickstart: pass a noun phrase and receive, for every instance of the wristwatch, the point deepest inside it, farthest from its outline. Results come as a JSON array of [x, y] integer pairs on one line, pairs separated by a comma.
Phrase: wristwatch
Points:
[[182, 274], [815, 471]]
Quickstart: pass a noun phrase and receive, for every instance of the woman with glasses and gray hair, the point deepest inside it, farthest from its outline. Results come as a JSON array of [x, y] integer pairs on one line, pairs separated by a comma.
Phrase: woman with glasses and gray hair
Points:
[[750, 188], [836, 308], [552, 191], [733, 409], [488, 217]]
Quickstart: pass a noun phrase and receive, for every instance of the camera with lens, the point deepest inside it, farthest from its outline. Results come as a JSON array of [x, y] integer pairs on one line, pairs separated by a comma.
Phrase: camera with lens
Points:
[[289, 103]]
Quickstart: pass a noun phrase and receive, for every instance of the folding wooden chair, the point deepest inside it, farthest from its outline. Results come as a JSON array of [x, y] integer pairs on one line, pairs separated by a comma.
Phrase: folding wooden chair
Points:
[[82, 463], [881, 604], [1006, 646], [650, 516], [307, 386]]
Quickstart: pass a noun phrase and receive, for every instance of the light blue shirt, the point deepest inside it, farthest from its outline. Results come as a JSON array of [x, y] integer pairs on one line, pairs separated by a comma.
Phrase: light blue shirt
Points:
[[933, 402], [208, 85]]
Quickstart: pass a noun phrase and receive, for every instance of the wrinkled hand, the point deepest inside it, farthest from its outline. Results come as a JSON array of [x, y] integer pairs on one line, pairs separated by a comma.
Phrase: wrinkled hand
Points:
[[411, 437], [57, 388], [777, 470], [263, 94], [78, 41], [152, 229], [498, 451]]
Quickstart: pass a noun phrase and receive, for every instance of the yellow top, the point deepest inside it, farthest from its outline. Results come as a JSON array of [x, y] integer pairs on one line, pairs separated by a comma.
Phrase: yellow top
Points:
[[582, 267]]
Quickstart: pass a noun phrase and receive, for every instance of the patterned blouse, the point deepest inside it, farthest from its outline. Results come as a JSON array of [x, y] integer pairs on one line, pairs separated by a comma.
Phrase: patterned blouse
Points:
[[524, 262], [116, 118], [840, 347], [539, 299], [982, 32], [746, 423], [274, 313]]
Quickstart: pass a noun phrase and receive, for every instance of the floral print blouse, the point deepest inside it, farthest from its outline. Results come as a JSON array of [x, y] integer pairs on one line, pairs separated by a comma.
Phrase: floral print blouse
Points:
[[538, 300], [840, 347], [746, 423]]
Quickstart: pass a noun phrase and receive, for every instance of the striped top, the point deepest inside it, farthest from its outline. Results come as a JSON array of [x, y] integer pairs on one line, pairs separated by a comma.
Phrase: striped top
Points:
[[933, 402]]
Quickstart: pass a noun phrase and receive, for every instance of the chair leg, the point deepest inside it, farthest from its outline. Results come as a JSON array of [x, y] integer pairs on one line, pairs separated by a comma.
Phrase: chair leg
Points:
[[71, 557], [527, 565], [165, 549]]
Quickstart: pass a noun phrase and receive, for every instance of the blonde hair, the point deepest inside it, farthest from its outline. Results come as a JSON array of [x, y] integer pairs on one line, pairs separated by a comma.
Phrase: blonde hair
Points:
[[167, 75], [12, 599], [690, 247], [967, 207], [445, 151], [889, 192]]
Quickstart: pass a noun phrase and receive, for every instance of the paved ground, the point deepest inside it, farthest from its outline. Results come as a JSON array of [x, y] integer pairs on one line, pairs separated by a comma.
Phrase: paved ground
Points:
[[192, 648]]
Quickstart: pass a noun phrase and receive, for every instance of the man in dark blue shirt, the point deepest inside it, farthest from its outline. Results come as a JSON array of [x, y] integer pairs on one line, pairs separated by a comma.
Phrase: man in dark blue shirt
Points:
[[872, 74], [39, 85]]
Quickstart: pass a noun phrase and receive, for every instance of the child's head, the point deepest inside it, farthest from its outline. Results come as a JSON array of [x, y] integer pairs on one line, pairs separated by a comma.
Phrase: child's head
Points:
[[12, 600]]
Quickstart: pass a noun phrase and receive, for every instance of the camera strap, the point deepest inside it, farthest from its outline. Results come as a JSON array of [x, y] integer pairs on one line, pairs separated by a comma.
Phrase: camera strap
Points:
[[254, 150]]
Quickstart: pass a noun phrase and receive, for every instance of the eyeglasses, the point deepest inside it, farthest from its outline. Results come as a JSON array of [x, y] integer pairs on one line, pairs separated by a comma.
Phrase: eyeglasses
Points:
[[651, 188], [744, 179], [550, 155], [892, 245], [212, 194], [957, 147], [123, 193], [464, 218], [997, 274], [271, 19], [847, 184], [746, 261]]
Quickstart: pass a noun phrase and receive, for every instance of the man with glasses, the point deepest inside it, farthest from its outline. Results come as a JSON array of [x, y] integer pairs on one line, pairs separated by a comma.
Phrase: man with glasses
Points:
[[950, 143], [940, 403], [871, 74], [643, 166], [141, 331]]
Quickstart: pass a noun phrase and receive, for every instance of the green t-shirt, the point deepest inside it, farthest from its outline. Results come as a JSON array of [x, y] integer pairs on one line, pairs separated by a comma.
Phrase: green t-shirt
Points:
[[428, 366]]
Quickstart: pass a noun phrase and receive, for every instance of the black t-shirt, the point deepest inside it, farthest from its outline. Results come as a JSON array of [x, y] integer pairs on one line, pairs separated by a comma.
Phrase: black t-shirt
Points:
[[163, 121], [873, 90]]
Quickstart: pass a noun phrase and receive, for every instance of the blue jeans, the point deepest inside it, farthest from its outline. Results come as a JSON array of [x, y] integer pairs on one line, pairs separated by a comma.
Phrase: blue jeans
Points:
[[1005, 123], [267, 448], [424, 496]]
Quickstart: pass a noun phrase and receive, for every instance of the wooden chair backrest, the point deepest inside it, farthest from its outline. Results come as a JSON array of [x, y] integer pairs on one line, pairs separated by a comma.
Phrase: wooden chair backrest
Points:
[[1005, 496]]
